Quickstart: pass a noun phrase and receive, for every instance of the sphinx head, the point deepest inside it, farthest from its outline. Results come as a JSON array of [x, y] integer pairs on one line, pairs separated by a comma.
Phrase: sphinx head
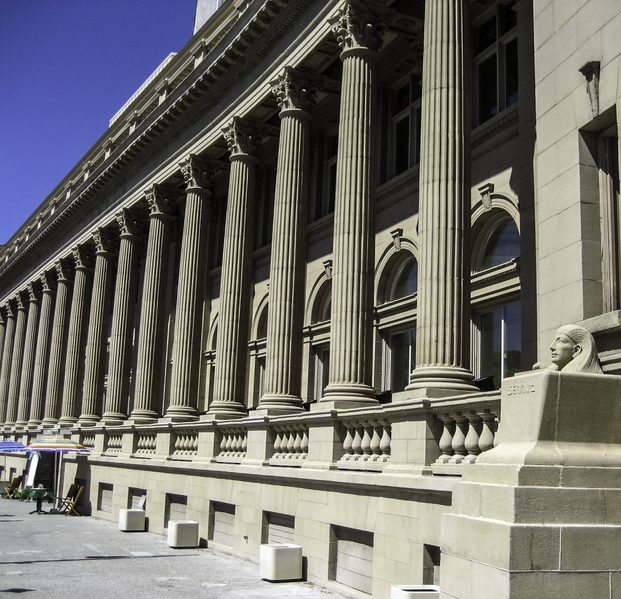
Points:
[[574, 350]]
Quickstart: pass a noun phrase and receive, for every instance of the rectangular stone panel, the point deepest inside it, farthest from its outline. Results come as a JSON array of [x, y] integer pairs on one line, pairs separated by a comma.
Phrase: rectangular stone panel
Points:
[[353, 551], [280, 528], [223, 523], [104, 497]]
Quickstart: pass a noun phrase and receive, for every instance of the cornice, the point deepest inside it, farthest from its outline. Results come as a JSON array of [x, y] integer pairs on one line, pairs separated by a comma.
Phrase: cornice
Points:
[[251, 36]]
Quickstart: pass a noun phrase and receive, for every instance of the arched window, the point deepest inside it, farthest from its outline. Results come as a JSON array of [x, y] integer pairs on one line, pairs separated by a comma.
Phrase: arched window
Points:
[[404, 280], [502, 245], [262, 326]]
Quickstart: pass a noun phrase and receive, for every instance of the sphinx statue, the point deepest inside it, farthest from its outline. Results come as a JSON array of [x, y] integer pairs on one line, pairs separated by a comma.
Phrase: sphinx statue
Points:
[[574, 350]]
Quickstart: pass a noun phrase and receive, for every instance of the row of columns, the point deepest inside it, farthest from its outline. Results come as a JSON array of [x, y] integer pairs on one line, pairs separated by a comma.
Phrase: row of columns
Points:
[[47, 351]]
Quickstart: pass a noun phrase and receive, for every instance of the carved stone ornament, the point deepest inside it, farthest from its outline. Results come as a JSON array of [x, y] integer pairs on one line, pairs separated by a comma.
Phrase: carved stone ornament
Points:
[[158, 200], [194, 172], [486, 192], [357, 26], [10, 312], [126, 220], [396, 235], [32, 292], [62, 270], [102, 240], [590, 70], [80, 257], [19, 300], [46, 282], [293, 90], [240, 138], [574, 350], [327, 267]]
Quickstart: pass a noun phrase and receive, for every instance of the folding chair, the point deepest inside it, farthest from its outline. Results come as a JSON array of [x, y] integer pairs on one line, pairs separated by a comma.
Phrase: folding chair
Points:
[[71, 509], [64, 501], [12, 490]]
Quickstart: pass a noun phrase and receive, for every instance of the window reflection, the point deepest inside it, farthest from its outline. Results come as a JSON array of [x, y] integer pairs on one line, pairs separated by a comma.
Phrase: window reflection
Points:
[[502, 246]]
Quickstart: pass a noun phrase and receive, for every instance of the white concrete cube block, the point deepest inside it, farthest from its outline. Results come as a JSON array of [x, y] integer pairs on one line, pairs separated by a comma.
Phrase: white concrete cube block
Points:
[[280, 561], [182, 533], [414, 591], [131, 520]]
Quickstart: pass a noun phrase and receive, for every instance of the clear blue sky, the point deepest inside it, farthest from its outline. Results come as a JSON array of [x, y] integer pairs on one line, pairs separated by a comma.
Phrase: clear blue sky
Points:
[[66, 66]]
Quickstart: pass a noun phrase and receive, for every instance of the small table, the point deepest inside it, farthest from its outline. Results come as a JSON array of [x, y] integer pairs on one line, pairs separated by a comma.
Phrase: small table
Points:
[[38, 493]]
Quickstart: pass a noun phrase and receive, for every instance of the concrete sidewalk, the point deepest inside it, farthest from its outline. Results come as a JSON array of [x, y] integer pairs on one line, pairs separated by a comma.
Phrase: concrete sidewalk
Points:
[[58, 557]]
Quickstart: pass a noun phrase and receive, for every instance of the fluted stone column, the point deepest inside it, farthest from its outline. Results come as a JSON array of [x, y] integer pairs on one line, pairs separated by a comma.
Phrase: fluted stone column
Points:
[[235, 278], [27, 367], [2, 338], [16, 362], [7, 354], [58, 349], [42, 354], [97, 335], [190, 291], [72, 389], [122, 320], [443, 320], [151, 332], [286, 302], [351, 332]]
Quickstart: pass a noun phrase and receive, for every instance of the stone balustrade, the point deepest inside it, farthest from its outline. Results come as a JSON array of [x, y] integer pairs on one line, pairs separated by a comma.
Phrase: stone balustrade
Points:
[[406, 436]]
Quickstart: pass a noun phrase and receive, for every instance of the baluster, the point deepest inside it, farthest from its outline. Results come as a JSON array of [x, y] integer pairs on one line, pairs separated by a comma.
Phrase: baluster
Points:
[[290, 441], [304, 444], [229, 443], [277, 443], [244, 444], [297, 443], [365, 444], [471, 442], [488, 431], [446, 440], [237, 443], [223, 444], [459, 439], [356, 445], [385, 442], [348, 442], [375, 442]]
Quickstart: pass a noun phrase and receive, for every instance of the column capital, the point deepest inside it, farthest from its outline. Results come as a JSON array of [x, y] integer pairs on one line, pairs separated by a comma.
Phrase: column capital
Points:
[[194, 171], [293, 90], [128, 223], [19, 300], [241, 139], [357, 26], [33, 292], [63, 272], [45, 281], [158, 200], [81, 258], [102, 240], [10, 311]]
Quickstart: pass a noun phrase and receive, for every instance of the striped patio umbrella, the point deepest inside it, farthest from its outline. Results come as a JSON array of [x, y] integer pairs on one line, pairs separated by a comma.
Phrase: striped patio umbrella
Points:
[[56, 445], [10, 446]]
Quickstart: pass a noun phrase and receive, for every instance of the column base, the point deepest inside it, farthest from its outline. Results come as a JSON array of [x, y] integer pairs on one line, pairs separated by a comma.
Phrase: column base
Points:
[[113, 419], [180, 414], [34, 425], [224, 410], [346, 395], [21, 425], [47, 424], [67, 422], [142, 417], [276, 405], [87, 420], [440, 381]]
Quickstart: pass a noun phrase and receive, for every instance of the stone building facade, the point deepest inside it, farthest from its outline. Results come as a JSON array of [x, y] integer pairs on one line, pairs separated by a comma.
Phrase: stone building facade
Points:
[[280, 293]]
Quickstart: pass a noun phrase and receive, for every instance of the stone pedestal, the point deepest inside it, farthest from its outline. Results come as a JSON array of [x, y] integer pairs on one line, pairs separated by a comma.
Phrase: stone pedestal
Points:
[[182, 533], [280, 561], [537, 516], [131, 520]]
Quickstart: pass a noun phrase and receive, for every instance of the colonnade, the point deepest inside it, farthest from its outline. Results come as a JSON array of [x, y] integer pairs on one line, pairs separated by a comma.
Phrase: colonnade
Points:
[[54, 331]]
